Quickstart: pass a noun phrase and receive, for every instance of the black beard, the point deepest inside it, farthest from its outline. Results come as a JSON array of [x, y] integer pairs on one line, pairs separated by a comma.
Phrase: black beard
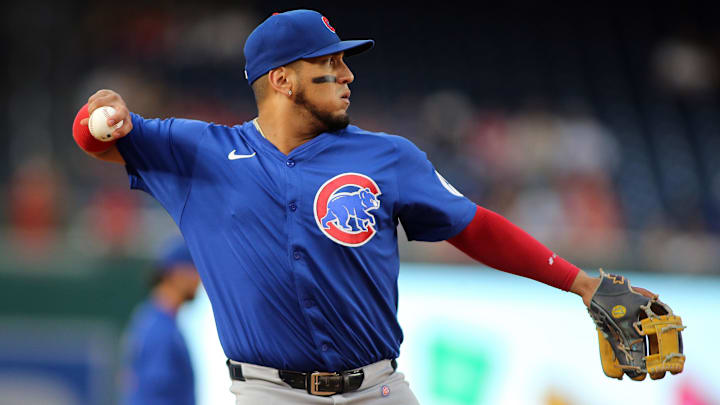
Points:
[[328, 122]]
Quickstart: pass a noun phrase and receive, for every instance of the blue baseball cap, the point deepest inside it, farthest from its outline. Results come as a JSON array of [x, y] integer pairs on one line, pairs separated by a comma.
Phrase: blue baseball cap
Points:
[[174, 252], [298, 34]]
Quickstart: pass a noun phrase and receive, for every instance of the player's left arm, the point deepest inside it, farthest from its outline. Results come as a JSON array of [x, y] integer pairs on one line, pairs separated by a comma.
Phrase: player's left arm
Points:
[[584, 286], [430, 209], [493, 240]]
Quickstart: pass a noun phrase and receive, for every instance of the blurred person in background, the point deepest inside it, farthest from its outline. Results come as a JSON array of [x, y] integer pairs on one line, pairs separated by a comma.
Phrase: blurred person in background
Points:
[[157, 368], [292, 217], [35, 202]]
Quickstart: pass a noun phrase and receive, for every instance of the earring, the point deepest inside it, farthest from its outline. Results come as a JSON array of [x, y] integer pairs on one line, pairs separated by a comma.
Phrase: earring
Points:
[[289, 92]]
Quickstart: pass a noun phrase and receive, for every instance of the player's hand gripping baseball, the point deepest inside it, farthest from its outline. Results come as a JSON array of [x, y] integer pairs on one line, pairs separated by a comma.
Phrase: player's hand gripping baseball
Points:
[[110, 98]]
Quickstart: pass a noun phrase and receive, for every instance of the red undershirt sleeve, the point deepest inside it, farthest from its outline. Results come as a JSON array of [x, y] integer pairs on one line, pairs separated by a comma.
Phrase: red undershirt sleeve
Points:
[[496, 242]]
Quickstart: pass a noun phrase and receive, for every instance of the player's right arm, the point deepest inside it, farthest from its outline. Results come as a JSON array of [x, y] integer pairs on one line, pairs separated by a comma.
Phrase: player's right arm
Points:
[[111, 155], [159, 155], [110, 98]]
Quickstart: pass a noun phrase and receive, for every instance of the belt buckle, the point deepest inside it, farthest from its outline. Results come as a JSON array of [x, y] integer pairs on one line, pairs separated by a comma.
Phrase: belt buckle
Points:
[[314, 387]]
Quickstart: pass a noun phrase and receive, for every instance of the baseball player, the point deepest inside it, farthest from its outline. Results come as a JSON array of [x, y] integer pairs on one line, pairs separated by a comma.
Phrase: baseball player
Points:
[[291, 219], [157, 367]]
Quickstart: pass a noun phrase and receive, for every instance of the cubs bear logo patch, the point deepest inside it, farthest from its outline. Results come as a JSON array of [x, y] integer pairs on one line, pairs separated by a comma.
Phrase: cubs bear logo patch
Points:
[[343, 208]]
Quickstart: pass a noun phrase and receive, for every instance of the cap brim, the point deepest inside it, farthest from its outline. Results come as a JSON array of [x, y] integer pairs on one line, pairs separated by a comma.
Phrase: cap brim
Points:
[[351, 47]]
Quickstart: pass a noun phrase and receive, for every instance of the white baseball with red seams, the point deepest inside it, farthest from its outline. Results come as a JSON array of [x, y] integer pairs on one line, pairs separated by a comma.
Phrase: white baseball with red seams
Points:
[[98, 123]]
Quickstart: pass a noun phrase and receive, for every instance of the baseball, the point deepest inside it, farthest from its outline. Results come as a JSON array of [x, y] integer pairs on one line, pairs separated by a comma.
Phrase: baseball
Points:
[[98, 123]]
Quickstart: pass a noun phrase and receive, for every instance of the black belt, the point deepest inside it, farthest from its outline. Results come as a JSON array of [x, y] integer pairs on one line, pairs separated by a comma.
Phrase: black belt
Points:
[[316, 383]]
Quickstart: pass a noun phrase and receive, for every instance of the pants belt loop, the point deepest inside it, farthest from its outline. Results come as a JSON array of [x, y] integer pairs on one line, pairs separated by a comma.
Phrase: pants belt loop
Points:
[[235, 371]]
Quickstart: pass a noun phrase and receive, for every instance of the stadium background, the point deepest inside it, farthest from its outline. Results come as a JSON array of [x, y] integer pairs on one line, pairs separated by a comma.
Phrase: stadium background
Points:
[[594, 126]]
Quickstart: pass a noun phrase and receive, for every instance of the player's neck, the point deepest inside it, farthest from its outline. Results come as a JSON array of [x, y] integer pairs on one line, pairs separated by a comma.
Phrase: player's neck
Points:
[[285, 131]]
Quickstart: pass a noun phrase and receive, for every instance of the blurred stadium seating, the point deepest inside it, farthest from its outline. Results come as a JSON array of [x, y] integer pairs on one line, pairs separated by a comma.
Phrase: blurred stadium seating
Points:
[[594, 127]]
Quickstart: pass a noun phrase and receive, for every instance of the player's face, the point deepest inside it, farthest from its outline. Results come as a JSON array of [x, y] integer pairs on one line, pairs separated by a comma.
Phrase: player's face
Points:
[[323, 90], [186, 280]]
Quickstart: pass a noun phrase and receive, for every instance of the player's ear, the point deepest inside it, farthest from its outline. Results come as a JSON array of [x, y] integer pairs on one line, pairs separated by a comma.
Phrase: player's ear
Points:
[[281, 80]]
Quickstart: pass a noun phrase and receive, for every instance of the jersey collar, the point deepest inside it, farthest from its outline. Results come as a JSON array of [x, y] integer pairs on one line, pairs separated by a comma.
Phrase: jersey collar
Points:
[[302, 152], [257, 126]]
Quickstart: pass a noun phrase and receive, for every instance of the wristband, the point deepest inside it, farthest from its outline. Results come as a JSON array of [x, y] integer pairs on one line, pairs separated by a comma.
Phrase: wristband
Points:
[[83, 137]]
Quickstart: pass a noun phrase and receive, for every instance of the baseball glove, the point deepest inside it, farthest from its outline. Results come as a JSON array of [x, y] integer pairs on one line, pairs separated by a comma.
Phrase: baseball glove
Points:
[[638, 335]]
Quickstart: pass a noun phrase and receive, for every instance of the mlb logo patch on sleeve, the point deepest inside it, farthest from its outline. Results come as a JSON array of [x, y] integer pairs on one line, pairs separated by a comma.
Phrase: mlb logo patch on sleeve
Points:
[[449, 187]]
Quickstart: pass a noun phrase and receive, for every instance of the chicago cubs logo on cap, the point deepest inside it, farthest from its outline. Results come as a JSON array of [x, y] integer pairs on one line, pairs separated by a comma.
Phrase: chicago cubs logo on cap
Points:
[[327, 24], [343, 208]]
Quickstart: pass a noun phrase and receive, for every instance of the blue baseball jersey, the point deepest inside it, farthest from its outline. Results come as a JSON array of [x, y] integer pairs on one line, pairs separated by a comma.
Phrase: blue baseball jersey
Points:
[[157, 365], [298, 253]]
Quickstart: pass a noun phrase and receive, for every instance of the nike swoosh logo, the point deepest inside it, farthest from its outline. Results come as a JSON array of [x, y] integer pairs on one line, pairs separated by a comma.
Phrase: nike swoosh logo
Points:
[[233, 156]]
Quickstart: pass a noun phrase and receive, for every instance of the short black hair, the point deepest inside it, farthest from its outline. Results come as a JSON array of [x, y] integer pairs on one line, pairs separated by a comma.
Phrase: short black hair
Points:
[[259, 88]]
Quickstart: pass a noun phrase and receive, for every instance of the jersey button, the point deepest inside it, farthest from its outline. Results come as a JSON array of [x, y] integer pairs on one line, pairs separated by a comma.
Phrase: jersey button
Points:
[[296, 255], [309, 303], [290, 163], [325, 347], [293, 206]]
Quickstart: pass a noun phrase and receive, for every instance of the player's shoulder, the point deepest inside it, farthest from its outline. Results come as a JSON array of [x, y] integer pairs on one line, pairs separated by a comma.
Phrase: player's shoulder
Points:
[[245, 127], [149, 315], [398, 142], [139, 117], [354, 130], [173, 125]]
